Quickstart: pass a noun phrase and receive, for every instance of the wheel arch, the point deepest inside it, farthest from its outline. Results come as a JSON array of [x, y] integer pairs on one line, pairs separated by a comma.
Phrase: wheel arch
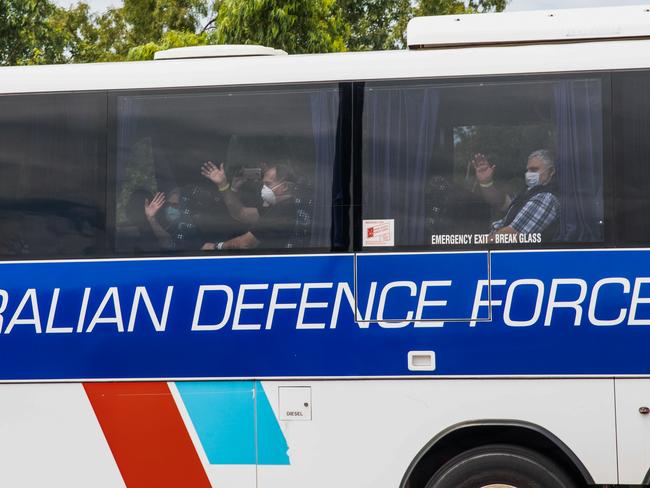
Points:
[[462, 436], [646, 479]]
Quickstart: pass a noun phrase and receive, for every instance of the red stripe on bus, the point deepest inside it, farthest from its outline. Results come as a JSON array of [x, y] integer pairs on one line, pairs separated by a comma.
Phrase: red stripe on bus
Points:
[[146, 435]]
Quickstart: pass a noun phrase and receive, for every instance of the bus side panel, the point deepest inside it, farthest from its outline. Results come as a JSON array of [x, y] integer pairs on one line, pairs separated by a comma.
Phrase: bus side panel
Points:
[[135, 434], [49, 436], [633, 429], [366, 433]]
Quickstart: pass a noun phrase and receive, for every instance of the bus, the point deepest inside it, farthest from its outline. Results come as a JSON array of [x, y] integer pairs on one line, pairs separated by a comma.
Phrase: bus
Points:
[[421, 268]]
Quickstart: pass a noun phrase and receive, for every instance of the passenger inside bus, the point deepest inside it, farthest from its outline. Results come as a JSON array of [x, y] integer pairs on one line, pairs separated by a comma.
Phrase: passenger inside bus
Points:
[[141, 212], [179, 220], [443, 162], [272, 223], [163, 140], [163, 222], [533, 210]]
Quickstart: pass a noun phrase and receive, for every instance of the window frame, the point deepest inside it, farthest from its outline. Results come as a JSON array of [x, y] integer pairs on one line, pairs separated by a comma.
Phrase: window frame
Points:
[[345, 166], [620, 192], [608, 172], [352, 120], [102, 235]]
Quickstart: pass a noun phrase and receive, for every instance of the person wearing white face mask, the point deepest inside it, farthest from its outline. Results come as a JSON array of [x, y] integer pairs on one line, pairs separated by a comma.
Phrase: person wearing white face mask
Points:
[[536, 209], [272, 224]]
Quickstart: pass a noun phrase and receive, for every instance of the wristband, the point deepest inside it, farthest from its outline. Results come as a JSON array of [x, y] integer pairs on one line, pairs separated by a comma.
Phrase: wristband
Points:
[[486, 185], [225, 187], [220, 246]]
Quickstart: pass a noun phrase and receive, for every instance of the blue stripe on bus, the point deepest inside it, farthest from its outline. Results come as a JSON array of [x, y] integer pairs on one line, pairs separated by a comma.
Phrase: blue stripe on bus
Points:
[[272, 446], [552, 313], [223, 415]]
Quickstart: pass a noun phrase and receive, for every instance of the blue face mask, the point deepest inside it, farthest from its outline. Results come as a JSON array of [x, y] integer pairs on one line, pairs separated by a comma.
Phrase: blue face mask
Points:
[[173, 214], [532, 179]]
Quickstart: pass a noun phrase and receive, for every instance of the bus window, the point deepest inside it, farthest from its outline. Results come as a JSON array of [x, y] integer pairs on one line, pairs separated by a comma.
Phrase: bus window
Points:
[[215, 171], [482, 164], [631, 92], [52, 161]]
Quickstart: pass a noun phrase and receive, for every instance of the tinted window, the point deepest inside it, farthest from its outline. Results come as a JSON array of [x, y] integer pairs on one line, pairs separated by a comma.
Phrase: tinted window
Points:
[[227, 170], [631, 101], [476, 164], [52, 158]]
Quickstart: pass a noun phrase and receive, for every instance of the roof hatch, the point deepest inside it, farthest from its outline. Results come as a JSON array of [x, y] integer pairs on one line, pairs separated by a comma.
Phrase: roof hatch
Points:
[[540, 26], [218, 51]]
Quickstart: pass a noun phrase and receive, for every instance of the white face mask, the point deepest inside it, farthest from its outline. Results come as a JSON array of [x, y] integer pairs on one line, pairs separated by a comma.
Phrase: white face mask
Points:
[[532, 179], [267, 195]]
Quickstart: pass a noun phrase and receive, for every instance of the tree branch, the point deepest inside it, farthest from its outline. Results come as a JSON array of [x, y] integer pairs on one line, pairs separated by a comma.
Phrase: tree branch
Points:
[[208, 25]]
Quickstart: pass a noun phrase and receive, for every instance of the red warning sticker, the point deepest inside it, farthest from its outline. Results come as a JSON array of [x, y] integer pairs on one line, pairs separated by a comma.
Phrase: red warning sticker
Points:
[[379, 232]]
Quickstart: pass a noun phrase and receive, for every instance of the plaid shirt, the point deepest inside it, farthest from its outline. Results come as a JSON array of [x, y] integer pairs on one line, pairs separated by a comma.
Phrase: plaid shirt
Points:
[[538, 213]]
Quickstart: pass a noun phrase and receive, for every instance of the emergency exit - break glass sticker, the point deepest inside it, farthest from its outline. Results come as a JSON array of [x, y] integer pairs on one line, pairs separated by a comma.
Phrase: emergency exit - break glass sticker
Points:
[[379, 232]]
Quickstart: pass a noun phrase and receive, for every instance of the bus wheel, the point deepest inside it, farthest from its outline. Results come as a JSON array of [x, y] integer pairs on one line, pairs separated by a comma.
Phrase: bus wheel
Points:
[[500, 466]]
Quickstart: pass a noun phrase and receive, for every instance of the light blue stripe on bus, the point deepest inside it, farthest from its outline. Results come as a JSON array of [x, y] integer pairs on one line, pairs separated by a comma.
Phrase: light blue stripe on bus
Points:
[[223, 415], [271, 445]]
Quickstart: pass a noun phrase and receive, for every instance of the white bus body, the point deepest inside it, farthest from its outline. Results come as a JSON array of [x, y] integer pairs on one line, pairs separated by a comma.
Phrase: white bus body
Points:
[[359, 430]]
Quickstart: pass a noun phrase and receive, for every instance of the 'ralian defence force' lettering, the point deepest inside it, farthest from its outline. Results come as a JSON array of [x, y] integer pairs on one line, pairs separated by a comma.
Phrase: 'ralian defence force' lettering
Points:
[[328, 305]]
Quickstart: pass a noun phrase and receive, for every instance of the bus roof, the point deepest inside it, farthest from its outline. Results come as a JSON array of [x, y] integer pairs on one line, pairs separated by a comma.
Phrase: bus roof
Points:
[[378, 65]]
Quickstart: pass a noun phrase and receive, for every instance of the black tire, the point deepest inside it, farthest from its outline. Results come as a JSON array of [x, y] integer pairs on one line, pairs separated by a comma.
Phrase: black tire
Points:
[[500, 465]]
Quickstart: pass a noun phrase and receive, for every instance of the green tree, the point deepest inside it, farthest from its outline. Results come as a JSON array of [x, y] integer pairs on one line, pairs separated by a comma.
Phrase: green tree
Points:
[[144, 26], [181, 15], [170, 39], [450, 7], [112, 42], [148, 20], [25, 33], [301, 26], [296, 26], [139, 15], [371, 22], [84, 37], [381, 24], [37, 31]]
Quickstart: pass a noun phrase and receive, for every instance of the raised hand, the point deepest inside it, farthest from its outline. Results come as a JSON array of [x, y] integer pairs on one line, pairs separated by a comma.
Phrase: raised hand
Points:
[[214, 173], [483, 168], [151, 207]]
